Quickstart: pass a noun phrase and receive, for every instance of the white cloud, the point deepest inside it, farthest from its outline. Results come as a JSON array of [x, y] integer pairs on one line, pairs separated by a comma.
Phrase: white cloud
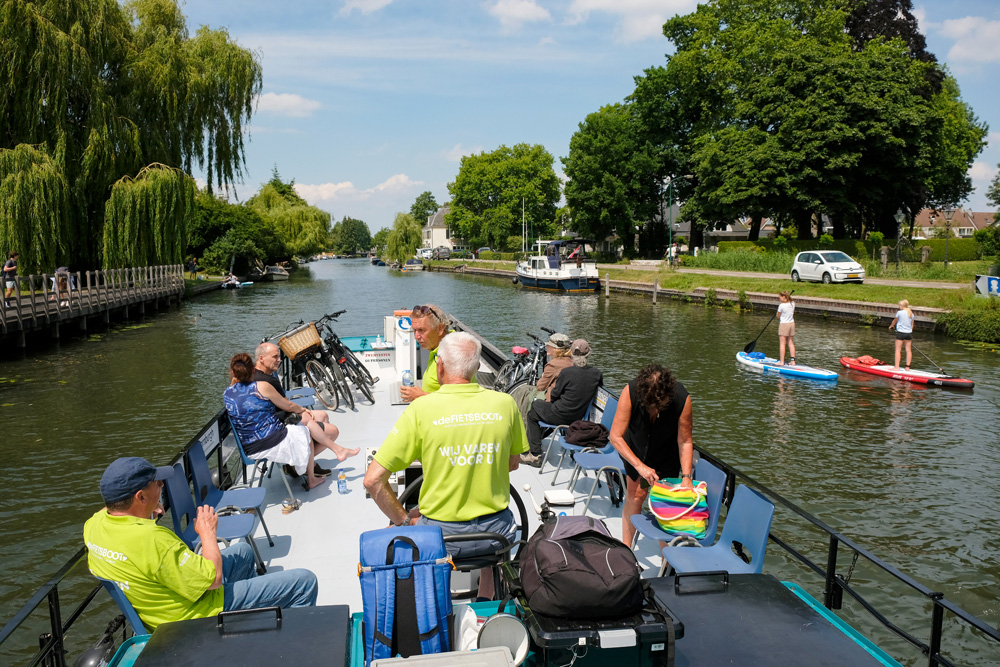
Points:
[[982, 172], [364, 6], [287, 104], [637, 19], [993, 140], [394, 183], [972, 35], [457, 152], [348, 192], [515, 13]]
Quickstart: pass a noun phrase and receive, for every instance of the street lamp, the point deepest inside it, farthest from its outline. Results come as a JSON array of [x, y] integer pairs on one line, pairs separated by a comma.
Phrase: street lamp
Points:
[[949, 213], [669, 182], [900, 219]]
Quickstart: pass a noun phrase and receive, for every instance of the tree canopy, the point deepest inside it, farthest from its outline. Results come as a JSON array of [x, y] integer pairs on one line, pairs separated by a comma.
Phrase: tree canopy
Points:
[[113, 100], [231, 236], [351, 236], [486, 197], [424, 207], [303, 228], [404, 239]]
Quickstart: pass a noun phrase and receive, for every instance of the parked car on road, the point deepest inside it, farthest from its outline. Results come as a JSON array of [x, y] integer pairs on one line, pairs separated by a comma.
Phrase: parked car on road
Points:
[[828, 266], [480, 251], [425, 253], [441, 252]]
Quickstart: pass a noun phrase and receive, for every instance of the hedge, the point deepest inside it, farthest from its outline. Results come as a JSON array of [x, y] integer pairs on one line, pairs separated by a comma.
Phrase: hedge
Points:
[[959, 250], [503, 256]]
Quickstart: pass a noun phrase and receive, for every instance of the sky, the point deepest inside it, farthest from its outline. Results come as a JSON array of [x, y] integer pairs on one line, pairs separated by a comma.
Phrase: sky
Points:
[[368, 103]]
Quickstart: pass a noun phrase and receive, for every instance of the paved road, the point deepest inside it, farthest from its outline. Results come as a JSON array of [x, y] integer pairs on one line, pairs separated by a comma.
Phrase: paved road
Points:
[[781, 276]]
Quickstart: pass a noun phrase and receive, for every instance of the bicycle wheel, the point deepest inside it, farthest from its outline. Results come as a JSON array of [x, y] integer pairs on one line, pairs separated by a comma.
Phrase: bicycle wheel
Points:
[[360, 382], [354, 362], [505, 376], [342, 386], [319, 378]]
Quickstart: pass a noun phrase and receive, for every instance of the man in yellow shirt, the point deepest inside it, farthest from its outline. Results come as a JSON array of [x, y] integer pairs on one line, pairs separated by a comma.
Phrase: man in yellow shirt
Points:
[[163, 579], [468, 440], [430, 326]]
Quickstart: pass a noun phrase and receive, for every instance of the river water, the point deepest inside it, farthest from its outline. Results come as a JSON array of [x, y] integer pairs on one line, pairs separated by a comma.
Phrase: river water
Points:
[[911, 473]]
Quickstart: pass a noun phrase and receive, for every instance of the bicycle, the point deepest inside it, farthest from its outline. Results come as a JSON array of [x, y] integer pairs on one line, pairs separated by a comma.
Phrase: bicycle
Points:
[[346, 361], [297, 344], [526, 367]]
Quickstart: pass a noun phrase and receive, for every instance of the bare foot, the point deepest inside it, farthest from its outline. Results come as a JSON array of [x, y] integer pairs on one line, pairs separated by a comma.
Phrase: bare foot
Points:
[[315, 481], [344, 453]]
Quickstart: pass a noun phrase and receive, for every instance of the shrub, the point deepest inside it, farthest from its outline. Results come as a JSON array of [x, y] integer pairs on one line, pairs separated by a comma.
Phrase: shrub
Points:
[[988, 240], [876, 239], [710, 298], [978, 319], [744, 302], [825, 241], [743, 260], [959, 250], [780, 243]]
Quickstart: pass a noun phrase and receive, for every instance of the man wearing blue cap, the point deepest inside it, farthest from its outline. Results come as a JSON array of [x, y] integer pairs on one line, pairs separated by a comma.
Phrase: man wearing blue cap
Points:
[[163, 579]]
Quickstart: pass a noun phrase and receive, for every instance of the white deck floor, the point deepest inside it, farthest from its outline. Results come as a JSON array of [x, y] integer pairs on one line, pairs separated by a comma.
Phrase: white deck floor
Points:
[[323, 535]]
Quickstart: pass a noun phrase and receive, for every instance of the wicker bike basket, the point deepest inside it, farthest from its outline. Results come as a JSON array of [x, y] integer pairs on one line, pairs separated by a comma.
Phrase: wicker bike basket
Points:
[[300, 340]]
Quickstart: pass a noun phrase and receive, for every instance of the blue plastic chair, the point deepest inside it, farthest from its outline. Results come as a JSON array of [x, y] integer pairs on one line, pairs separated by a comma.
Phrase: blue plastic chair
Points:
[[715, 480], [184, 513], [598, 462], [747, 522], [124, 605], [252, 463], [207, 493], [559, 437], [304, 396]]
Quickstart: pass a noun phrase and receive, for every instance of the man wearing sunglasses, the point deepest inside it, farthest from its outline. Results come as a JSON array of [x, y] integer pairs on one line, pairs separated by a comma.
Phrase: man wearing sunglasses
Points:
[[429, 326]]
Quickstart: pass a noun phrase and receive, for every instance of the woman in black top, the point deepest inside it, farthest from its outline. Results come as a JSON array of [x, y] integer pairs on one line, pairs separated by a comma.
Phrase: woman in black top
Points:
[[652, 433]]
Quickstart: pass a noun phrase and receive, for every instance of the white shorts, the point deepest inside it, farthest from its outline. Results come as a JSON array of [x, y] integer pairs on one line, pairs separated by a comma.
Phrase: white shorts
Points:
[[11, 284], [294, 449]]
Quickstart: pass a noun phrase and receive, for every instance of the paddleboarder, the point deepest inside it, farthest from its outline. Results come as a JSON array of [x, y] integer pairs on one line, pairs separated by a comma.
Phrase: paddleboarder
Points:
[[903, 324], [786, 327]]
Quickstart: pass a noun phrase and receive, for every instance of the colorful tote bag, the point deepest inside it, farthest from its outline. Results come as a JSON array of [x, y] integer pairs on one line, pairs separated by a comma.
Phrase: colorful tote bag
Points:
[[680, 511]]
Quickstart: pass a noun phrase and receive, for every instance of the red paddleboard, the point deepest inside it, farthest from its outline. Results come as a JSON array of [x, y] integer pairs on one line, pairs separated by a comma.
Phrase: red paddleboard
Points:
[[867, 364]]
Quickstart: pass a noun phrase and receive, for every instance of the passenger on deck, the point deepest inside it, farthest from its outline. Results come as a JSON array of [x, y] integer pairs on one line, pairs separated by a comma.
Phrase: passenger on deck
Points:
[[572, 393], [268, 359], [163, 579], [430, 326], [557, 348], [652, 433], [253, 408], [468, 440]]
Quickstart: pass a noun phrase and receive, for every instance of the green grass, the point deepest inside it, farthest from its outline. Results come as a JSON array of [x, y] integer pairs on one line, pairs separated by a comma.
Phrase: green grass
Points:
[[742, 260]]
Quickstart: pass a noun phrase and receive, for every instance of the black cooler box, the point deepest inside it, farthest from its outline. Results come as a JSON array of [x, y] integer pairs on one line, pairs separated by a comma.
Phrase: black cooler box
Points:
[[643, 639]]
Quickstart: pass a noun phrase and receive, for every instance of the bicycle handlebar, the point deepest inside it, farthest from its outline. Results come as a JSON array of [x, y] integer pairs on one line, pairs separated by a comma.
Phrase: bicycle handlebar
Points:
[[282, 333], [547, 330], [534, 337]]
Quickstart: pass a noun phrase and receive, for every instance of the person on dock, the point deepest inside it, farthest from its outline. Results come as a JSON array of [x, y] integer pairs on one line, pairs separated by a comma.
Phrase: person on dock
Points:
[[253, 408], [163, 579], [430, 326], [10, 277], [786, 327], [192, 267], [267, 360], [468, 439], [574, 390], [903, 324], [652, 434]]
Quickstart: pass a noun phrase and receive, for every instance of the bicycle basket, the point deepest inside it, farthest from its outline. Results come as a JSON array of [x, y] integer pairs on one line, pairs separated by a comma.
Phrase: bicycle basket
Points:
[[300, 340]]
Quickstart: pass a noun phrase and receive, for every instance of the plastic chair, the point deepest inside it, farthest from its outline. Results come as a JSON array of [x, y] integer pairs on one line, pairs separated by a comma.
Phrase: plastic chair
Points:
[[182, 507], [124, 605], [558, 436], [715, 480], [252, 462], [598, 462], [304, 396], [748, 522], [207, 493]]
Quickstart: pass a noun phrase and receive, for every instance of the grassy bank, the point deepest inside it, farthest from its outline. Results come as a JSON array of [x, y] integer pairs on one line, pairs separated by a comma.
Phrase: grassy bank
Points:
[[971, 317]]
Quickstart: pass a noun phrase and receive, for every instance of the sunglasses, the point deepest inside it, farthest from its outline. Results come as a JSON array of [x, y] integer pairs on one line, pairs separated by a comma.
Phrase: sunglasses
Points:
[[420, 311]]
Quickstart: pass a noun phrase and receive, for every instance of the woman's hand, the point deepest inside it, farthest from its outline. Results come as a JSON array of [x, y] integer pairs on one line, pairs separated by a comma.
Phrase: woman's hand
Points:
[[686, 483], [647, 473]]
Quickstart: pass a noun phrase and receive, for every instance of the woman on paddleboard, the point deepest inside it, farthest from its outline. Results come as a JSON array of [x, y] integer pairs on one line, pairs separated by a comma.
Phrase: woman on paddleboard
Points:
[[652, 434], [903, 324], [786, 327]]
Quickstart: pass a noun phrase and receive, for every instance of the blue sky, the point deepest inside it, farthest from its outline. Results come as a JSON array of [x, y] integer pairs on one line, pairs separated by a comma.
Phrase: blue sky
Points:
[[368, 103]]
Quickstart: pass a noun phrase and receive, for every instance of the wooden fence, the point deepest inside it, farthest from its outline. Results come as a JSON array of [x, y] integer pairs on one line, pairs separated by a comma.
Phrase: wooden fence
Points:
[[42, 302]]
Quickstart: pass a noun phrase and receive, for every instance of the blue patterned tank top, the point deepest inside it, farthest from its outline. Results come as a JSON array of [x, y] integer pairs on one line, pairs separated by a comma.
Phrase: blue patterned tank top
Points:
[[253, 417]]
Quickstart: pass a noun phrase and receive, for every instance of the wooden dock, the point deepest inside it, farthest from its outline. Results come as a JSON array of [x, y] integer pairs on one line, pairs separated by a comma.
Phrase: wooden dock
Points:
[[40, 308]]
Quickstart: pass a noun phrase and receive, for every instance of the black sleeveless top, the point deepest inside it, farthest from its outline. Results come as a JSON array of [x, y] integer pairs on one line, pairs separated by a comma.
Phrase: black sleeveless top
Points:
[[655, 444]]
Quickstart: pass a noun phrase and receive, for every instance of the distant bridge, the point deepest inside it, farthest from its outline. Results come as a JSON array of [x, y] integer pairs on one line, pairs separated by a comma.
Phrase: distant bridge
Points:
[[43, 306]]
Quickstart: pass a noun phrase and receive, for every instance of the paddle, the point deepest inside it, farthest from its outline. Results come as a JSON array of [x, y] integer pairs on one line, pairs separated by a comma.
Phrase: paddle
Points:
[[748, 348], [928, 358]]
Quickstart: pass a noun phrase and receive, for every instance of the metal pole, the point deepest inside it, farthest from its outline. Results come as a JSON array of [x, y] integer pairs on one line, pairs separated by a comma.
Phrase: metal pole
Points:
[[670, 222], [656, 288], [947, 229], [607, 277]]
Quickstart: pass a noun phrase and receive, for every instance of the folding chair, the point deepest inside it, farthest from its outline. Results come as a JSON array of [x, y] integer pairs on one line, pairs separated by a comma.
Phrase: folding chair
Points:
[[715, 480], [747, 522], [207, 493], [252, 462], [124, 606], [184, 513], [559, 436], [598, 462]]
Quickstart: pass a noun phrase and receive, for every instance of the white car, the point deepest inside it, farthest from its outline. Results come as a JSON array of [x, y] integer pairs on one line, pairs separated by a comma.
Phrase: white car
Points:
[[828, 266], [425, 253]]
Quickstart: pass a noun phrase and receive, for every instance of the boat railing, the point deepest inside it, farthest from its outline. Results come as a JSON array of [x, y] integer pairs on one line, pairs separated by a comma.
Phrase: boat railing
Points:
[[835, 584], [51, 651]]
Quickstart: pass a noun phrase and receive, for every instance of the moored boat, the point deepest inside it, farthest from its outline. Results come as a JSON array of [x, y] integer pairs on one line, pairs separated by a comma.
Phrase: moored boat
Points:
[[867, 364], [412, 265], [559, 266], [770, 366]]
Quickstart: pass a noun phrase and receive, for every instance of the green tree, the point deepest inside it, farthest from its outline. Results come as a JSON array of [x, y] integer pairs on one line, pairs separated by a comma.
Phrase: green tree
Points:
[[404, 239], [381, 239], [486, 197], [303, 228], [424, 207], [105, 92], [993, 193], [352, 236], [225, 235]]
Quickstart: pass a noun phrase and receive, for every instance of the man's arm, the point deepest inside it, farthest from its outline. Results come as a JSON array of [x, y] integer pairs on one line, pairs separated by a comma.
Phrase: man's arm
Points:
[[206, 526], [270, 393], [513, 462], [377, 485], [409, 394]]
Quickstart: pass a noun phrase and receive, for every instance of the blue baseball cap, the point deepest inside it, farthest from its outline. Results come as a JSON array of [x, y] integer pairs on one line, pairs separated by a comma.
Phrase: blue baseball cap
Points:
[[129, 474]]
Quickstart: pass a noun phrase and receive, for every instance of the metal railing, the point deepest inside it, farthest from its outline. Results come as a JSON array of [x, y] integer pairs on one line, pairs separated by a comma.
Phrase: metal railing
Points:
[[41, 300]]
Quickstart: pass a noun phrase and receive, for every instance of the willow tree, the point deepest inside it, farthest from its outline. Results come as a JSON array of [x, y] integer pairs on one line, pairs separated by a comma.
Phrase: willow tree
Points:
[[33, 206], [102, 91], [404, 238], [302, 227]]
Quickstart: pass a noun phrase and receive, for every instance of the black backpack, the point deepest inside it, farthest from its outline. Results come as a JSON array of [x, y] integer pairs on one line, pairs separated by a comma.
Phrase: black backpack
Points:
[[573, 568]]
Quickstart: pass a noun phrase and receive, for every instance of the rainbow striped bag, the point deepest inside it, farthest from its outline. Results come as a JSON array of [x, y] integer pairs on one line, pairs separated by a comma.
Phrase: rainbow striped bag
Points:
[[680, 511]]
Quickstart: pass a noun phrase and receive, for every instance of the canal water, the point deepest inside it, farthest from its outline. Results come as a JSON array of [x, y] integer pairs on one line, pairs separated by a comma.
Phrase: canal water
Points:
[[909, 472]]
